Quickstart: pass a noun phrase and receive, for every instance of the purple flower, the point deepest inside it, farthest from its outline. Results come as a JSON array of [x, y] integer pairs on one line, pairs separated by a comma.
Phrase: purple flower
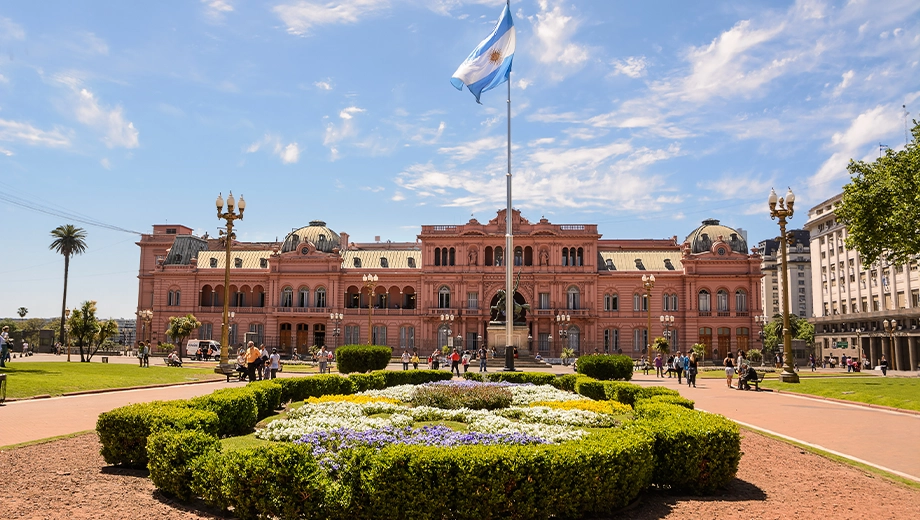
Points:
[[339, 439]]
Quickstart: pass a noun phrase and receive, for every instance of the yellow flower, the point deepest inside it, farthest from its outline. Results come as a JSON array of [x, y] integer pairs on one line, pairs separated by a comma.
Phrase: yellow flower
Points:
[[611, 407], [358, 399]]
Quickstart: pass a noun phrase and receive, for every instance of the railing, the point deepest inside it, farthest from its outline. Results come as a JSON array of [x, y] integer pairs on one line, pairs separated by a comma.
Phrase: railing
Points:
[[705, 313], [724, 314]]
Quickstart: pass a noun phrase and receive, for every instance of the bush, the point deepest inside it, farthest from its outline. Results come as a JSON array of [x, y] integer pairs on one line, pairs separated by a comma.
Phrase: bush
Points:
[[363, 382], [267, 394], [647, 392], [695, 451], [300, 388], [591, 388], [362, 358], [452, 397], [537, 378], [606, 366], [123, 432], [567, 382], [170, 457], [473, 376], [663, 399], [413, 377], [236, 409], [619, 391]]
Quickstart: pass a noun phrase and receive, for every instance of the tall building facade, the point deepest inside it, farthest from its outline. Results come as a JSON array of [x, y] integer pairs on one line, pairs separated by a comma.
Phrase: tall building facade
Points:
[[799, 272], [852, 300], [581, 291]]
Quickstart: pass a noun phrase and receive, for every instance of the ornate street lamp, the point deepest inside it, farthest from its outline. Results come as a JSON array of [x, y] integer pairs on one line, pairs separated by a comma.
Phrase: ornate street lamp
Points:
[[667, 321], [890, 327], [648, 282], [66, 339], [563, 320], [370, 282], [762, 321], [229, 216], [859, 348], [336, 318], [782, 209], [447, 319]]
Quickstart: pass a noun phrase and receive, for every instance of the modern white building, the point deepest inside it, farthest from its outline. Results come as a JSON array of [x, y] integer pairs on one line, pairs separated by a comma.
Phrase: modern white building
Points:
[[852, 301], [799, 271]]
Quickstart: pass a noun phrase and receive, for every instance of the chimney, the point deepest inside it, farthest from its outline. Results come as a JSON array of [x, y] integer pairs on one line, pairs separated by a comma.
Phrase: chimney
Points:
[[343, 239]]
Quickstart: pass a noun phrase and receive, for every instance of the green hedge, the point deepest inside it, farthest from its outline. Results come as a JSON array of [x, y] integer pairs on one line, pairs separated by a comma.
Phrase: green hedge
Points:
[[695, 452], [362, 358], [267, 394], [300, 388], [236, 409], [372, 381], [413, 377], [651, 391], [537, 378], [171, 455], [568, 381], [626, 393], [473, 376], [606, 366], [666, 399], [123, 432]]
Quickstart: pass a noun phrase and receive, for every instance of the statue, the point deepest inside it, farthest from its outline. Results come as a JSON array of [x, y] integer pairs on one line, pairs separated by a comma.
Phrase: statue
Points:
[[474, 257], [499, 307], [544, 257]]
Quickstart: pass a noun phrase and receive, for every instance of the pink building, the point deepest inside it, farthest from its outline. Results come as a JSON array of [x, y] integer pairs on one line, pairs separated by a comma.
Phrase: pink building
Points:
[[443, 286]]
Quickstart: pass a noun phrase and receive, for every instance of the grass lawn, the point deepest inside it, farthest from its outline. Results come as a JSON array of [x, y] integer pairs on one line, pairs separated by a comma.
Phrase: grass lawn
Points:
[[803, 374], [25, 379], [897, 392]]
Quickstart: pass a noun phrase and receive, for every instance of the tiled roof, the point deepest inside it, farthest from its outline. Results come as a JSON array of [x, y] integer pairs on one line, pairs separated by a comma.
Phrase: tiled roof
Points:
[[651, 260], [371, 259], [250, 259]]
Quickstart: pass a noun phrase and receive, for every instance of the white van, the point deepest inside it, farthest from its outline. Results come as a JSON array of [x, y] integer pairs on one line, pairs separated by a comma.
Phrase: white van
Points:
[[191, 348]]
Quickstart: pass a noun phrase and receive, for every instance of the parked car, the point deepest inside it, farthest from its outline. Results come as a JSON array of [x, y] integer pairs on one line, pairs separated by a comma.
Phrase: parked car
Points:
[[191, 348]]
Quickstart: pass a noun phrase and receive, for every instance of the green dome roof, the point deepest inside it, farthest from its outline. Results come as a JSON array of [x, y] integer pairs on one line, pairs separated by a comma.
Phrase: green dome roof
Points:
[[322, 238], [702, 238]]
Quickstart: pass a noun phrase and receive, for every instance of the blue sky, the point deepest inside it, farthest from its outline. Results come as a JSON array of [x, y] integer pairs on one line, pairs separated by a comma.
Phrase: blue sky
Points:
[[642, 117]]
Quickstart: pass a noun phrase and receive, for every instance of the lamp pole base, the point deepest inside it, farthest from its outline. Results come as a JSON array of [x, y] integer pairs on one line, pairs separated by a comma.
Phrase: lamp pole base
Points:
[[788, 377], [509, 359]]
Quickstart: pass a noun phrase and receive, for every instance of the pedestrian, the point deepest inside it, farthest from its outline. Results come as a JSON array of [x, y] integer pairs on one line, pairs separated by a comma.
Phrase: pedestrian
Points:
[[669, 365], [483, 366], [465, 360], [146, 357], [264, 356], [729, 365], [658, 364], [323, 360], [294, 356], [679, 365], [274, 363], [686, 362], [5, 345], [843, 362], [415, 360], [455, 362], [884, 364], [406, 359], [25, 348], [253, 356], [691, 373], [812, 362]]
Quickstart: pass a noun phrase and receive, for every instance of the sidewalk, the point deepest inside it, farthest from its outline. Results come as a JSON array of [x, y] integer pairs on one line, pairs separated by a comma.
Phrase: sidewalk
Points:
[[880, 438]]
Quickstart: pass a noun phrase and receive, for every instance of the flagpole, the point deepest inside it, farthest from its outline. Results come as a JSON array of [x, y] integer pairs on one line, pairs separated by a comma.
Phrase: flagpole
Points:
[[509, 251]]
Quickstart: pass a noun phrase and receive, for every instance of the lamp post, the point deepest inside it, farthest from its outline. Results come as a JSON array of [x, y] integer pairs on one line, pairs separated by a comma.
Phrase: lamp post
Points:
[[859, 349], [667, 321], [446, 319], [229, 216], [478, 341], [458, 341], [890, 327], [145, 315], [762, 321], [370, 282], [782, 209], [562, 321], [66, 339], [648, 282], [336, 318]]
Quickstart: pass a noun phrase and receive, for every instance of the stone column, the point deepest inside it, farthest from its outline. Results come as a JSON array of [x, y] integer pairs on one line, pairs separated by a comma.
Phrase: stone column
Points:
[[886, 350], [912, 352], [896, 353], [873, 351]]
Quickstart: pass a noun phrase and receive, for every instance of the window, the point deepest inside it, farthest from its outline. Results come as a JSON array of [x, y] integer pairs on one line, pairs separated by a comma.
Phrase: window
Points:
[[722, 300], [611, 302], [472, 300], [543, 342], [518, 256], [565, 256], [206, 331], [303, 297], [258, 329], [674, 302], [444, 297], [498, 256], [637, 302], [412, 262], [610, 266], [407, 337], [573, 298], [213, 262], [704, 301], [320, 297], [611, 340], [239, 299], [640, 340], [287, 297], [384, 262], [740, 301], [352, 334], [357, 261], [237, 262], [380, 335], [174, 298], [544, 300], [263, 263]]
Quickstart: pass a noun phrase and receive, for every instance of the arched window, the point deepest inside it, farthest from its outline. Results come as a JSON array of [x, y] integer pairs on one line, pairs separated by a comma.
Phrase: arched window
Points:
[[640, 339], [611, 341], [574, 339], [303, 297], [437, 256], [610, 266], [444, 256], [528, 255], [518, 256], [499, 257], [611, 302], [320, 297], [674, 302], [357, 261], [565, 256], [580, 257], [704, 301], [722, 300], [573, 297], [287, 297], [741, 300], [488, 258], [452, 257], [666, 302], [444, 297]]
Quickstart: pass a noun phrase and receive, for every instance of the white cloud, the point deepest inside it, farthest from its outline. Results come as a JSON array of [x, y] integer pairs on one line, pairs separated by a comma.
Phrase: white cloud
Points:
[[844, 83], [16, 131], [347, 113], [323, 85], [6, 152], [105, 163], [554, 31], [345, 130], [429, 136], [469, 151], [111, 122], [398, 197], [10, 30], [300, 17], [633, 66], [524, 83], [214, 10], [288, 153], [94, 44]]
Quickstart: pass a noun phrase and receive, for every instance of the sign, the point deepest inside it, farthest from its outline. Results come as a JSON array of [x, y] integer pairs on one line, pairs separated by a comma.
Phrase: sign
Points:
[[842, 344]]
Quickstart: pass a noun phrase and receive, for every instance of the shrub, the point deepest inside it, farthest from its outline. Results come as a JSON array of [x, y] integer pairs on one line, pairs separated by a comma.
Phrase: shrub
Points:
[[123, 432], [170, 457], [591, 388], [695, 451], [267, 394], [363, 382], [619, 391], [452, 397], [236, 409], [606, 366], [300, 388], [651, 391], [663, 399], [537, 378], [413, 377], [362, 358], [567, 382], [473, 376]]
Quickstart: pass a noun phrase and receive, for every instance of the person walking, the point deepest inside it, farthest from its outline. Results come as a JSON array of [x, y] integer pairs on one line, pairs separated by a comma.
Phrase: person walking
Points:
[[883, 363], [482, 360], [812, 362], [264, 356], [406, 358], [140, 354], [679, 366], [253, 356], [415, 360], [6, 344], [466, 361], [686, 362], [692, 368], [323, 360], [146, 357], [659, 363], [274, 363], [729, 365], [455, 363]]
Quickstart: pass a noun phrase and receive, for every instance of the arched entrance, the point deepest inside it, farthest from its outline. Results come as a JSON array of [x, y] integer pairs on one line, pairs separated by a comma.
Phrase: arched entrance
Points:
[[495, 315]]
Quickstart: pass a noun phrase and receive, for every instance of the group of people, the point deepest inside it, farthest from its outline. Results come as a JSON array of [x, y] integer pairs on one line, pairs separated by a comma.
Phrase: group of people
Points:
[[6, 346], [206, 353], [257, 363], [742, 367], [678, 364], [455, 359], [143, 354]]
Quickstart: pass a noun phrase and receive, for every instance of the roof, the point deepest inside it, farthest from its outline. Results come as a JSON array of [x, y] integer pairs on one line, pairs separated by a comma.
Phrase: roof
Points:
[[371, 259], [249, 259], [184, 248], [650, 260], [322, 238], [701, 238]]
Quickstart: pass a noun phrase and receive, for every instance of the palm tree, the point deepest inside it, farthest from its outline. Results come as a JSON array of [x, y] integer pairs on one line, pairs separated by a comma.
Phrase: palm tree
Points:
[[22, 311], [68, 240]]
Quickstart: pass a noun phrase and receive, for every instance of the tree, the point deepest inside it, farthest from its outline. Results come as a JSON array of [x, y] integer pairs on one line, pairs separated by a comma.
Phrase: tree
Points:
[[799, 327], [83, 327], [880, 205], [181, 327], [68, 241], [22, 311], [662, 345], [31, 327]]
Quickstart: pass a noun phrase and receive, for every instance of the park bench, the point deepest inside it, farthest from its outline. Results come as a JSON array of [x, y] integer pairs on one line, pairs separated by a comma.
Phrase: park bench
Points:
[[227, 370], [756, 382]]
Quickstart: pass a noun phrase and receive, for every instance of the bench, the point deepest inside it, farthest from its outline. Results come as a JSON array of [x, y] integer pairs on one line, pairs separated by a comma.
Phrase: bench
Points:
[[228, 371], [755, 382]]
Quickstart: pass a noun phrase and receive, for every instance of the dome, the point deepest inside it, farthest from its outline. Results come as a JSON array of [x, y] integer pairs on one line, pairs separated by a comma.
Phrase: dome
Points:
[[702, 238], [322, 238]]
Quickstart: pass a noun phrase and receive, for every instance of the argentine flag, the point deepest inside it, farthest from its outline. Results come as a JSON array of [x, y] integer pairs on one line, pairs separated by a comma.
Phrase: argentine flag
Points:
[[489, 65]]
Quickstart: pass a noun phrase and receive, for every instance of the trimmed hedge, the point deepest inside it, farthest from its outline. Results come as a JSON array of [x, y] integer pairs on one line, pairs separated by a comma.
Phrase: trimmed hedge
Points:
[[537, 378], [123, 432], [568, 381], [300, 388], [473, 376], [267, 394], [413, 377], [170, 456], [651, 391], [665, 399], [619, 391], [362, 358], [236, 408], [695, 451], [606, 366], [372, 381]]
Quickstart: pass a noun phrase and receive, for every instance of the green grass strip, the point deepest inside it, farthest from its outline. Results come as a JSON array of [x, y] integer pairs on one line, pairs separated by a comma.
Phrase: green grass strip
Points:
[[896, 392]]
